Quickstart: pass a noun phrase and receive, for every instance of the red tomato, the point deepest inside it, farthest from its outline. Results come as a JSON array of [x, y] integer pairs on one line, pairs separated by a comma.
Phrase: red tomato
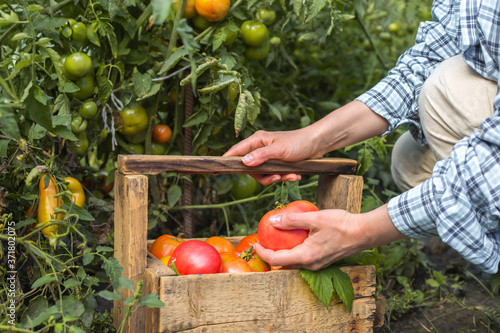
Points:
[[277, 239], [232, 263], [164, 245], [246, 242], [221, 244], [196, 257]]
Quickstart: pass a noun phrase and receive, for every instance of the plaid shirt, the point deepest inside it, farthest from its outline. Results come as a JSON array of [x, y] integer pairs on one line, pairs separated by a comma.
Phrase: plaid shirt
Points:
[[461, 200]]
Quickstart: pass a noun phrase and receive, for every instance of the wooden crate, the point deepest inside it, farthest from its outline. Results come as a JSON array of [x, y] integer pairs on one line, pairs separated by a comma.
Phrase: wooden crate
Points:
[[277, 301]]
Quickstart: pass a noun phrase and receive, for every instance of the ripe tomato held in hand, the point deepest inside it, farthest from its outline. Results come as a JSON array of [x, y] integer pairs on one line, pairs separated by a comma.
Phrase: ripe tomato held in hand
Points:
[[195, 257], [221, 244], [276, 239], [164, 245]]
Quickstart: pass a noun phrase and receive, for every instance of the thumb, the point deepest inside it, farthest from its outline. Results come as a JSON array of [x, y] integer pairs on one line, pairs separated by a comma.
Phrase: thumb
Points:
[[261, 155], [289, 221]]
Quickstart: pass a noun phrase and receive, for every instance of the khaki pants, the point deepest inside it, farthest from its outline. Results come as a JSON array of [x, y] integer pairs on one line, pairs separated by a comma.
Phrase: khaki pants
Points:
[[453, 102]]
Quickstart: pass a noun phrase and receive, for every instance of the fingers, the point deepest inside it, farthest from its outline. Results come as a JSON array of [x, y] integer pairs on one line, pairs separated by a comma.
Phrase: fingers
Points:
[[269, 179], [289, 221], [255, 141]]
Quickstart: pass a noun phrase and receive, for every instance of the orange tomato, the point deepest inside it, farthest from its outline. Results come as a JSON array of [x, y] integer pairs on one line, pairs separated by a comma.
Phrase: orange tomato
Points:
[[165, 259], [221, 244], [189, 9], [246, 242], [162, 133], [212, 10], [164, 245]]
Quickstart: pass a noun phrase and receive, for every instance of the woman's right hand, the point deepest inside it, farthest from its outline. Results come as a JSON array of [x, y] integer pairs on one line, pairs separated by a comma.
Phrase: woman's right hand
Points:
[[288, 146]]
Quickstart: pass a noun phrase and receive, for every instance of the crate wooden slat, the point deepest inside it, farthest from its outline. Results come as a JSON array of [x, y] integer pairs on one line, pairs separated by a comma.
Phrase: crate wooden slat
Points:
[[278, 301], [155, 164]]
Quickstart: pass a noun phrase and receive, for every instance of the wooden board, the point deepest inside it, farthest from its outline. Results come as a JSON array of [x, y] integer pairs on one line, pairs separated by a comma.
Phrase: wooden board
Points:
[[278, 301], [155, 164]]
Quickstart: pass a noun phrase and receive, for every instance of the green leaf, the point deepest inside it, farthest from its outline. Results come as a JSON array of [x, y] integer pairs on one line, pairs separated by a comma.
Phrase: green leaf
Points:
[[320, 283], [174, 194], [105, 88], [315, 9], [343, 287], [197, 118], [82, 213], [162, 10], [43, 281], [222, 82], [4, 144], [8, 122], [87, 258], [113, 270], [151, 301], [109, 296], [142, 82], [114, 7], [37, 111], [126, 283], [240, 114], [173, 60], [71, 283]]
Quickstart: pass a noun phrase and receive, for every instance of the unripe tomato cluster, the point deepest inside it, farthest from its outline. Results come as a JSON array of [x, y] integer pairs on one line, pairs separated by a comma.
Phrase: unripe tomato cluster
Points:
[[219, 255], [133, 124]]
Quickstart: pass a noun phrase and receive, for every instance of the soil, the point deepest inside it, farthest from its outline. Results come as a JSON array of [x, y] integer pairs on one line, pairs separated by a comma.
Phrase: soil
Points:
[[473, 309]]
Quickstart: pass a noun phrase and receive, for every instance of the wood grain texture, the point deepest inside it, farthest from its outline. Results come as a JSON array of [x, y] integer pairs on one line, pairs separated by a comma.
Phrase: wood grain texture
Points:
[[155, 164], [340, 192], [130, 221], [278, 301]]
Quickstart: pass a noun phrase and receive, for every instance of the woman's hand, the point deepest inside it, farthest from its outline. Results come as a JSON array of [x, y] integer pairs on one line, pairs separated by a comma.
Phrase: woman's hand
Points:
[[334, 234], [288, 146]]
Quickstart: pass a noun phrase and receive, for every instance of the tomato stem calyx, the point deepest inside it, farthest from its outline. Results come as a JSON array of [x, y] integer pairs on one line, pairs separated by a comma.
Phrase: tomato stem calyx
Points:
[[172, 267]]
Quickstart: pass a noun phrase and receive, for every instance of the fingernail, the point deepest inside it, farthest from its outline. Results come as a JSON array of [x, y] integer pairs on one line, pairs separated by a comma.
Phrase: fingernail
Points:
[[275, 219], [247, 159], [275, 179]]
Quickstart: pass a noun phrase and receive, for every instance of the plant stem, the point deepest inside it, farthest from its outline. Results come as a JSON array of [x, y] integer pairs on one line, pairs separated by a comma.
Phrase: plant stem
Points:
[[236, 202]]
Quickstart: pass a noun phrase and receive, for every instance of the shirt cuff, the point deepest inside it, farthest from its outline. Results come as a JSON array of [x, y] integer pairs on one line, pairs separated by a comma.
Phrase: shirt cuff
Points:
[[414, 212]]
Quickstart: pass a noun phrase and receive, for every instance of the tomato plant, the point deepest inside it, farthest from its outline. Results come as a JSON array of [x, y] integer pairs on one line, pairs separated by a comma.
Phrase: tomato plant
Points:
[[212, 10], [221, 244], [277, 239], [164, 245], [254, 33], [196, 257]]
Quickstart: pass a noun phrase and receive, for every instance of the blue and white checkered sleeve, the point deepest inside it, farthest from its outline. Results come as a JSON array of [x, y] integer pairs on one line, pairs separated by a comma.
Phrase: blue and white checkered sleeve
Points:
[[461, 201]]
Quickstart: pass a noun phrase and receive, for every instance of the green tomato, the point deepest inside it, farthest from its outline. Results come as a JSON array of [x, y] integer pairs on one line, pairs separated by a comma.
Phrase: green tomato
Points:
[[244, 186], [64, 71], [78, 125], [136, 138], [393, 27], [83, 144], [201, 23], [86, 85], [158, 148], [79, 31], [254, 33], [137, 148], [78, 64], [266, 16], [275, 41], [133, 120], [230, 34], [88, 110], [258, 53]]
